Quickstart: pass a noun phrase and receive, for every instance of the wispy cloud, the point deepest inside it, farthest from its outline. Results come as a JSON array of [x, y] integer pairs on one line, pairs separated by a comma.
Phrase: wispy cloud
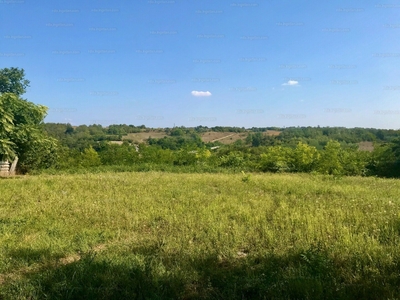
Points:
[[201, 94], [291, 82]]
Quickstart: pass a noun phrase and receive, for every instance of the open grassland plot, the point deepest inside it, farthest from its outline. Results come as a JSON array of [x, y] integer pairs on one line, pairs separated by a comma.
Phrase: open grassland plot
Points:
[[366, 146], [272, 132], [188, 236], [223, 137], [231, 137], [141, 137]]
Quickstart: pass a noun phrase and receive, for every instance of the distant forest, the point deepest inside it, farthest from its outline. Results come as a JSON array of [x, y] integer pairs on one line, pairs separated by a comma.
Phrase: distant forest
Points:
[[325, 150], [83, 135]]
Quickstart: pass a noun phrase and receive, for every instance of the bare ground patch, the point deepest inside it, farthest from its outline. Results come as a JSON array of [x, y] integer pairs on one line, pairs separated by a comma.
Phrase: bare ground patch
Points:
[[141, 137], [366, 146], [223, 137]]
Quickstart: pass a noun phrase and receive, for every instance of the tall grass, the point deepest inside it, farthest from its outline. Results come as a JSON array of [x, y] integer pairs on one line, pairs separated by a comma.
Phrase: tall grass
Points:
[[158, 235]]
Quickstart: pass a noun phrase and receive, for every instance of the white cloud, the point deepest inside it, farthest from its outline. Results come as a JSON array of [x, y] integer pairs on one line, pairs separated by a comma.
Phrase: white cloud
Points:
[[201, 94], [291, 82]]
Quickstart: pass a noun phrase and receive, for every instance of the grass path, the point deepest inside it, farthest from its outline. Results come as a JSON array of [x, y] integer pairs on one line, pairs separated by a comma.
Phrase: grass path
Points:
[[224, 137]]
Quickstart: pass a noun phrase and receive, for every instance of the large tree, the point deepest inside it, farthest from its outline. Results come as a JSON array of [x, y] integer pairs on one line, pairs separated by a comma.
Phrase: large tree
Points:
[[21, 122], [12, 80], [385, 160]]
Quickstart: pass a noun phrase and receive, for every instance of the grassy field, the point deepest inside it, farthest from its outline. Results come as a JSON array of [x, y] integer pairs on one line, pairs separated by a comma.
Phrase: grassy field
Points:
[[141, 137], [223, 137], [231, 137], [366, 146], [159, 235]]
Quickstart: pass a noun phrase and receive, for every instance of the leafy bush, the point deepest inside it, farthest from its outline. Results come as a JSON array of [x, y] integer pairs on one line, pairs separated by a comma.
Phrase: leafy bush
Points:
[[233, 159], [89, 158], [275, 159], [113, 154], [304, 158]]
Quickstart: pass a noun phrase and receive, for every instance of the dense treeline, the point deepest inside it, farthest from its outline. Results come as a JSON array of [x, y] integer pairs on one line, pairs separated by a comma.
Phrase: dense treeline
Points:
[[319, 136], [322, 150]]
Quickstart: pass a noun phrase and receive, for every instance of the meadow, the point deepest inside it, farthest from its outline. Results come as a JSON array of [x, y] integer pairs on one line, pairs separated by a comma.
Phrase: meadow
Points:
[[160, 235]]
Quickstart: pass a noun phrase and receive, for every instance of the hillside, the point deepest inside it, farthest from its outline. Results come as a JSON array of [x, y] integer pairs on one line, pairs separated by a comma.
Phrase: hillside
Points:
[[141, 137]]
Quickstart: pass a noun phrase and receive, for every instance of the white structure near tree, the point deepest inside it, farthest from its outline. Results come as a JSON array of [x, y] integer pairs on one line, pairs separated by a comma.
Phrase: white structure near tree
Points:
[[6, 170]]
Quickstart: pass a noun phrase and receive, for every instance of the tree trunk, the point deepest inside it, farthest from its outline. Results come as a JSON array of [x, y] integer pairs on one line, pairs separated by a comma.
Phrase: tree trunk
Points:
[[13, 166]]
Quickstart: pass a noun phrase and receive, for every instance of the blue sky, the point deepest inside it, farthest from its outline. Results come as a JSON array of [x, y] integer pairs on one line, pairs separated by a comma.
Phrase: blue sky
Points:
[[214, 63]]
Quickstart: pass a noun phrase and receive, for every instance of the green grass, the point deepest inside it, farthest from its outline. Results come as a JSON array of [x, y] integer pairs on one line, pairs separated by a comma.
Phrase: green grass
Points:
[[143, 167], [157, 235]]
